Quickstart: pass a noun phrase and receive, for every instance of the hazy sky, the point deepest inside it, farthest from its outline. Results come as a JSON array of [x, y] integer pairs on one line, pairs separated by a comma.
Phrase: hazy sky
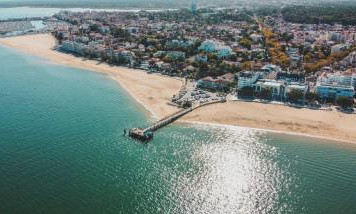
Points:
[[155, 3]]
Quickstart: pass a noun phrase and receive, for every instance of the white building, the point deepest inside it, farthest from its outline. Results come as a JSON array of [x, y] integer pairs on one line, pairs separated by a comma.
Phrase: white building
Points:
[[271, 68], [276, 87], [339, 48], [256, 38], [247, 79], [336, 79], [335, 85]]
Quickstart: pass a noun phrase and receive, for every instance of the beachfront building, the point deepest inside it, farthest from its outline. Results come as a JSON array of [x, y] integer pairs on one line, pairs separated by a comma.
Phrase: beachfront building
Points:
[[79, 48], [339, 79], [276, 87], [345, 80], [295, 87], [327, 91], [221, 83], [332, 86], [247, 79], [123, 56], [67, 46]]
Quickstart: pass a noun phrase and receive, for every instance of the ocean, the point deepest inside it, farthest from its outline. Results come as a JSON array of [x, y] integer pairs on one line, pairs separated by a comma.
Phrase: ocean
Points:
[[30, 12], [62, 150]]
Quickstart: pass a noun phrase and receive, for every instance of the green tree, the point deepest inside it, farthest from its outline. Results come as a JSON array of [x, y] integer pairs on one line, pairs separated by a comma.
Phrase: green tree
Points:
[[247, 66], [94, 28], [167, 59], [344, 102], [295, 95], [246, 92], [311, 97], [266, 94], [245, 42]]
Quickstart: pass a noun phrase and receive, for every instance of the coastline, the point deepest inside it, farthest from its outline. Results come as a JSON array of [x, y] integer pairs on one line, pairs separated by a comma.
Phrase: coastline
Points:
[[289, 133], [154, 91]]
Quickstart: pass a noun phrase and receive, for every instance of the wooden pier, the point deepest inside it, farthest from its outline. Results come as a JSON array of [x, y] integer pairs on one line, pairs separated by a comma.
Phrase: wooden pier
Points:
[[147, 133]]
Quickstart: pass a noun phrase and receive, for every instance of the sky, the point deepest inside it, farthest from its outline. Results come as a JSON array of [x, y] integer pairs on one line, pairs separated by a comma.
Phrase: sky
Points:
[[154, 3]]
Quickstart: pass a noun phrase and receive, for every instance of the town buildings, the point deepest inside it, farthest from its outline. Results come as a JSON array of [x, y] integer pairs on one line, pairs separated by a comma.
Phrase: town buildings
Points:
[[247, 79], [218, 49], [333, 86]]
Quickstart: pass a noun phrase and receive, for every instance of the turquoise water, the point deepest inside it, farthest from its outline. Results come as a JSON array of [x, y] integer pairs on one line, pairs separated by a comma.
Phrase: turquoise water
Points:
[[23, 12], [62, 151], [29, 12]]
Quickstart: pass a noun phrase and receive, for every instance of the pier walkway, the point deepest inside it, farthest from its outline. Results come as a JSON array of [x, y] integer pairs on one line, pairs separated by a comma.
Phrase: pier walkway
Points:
[[147, 133]]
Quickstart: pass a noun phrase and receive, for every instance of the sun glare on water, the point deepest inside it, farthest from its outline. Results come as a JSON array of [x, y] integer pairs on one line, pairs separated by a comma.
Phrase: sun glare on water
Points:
[[234, 174]]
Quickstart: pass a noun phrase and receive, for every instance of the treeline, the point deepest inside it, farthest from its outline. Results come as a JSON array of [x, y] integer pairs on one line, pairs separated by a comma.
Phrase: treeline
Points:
[[325, 14], [275, 50], [326, 61]]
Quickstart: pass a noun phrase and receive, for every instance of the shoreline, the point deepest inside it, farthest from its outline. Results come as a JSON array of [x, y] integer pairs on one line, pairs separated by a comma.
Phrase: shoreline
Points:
[[153, 92], [317, 137]]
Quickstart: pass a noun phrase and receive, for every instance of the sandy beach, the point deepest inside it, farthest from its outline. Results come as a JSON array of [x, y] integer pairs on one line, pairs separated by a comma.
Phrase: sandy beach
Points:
[[155, 91]]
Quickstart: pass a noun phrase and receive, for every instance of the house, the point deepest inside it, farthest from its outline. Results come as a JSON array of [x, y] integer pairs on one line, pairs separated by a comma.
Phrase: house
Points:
[[176, 55], [209, 46], [176, 44], [220, 83], [224, 52], [256, 38], [201, 58], [227, 78], [159, 54]]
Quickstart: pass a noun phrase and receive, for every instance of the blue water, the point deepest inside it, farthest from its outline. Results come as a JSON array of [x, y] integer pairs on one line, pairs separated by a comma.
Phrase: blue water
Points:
[[30, 12], [62, 151], [23, 12]]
